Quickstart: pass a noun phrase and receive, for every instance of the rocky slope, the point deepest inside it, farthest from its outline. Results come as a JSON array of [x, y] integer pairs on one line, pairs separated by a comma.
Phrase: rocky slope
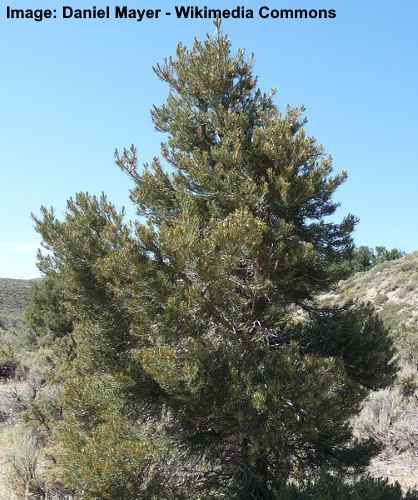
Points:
[[393, 289], [391, 415]]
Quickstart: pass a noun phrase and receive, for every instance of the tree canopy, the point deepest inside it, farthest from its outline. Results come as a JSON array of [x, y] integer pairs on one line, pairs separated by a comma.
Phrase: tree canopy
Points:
[[364, 258]]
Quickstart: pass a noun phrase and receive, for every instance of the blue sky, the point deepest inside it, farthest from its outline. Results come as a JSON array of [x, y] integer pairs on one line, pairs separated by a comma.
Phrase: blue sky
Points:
[[71, 92]]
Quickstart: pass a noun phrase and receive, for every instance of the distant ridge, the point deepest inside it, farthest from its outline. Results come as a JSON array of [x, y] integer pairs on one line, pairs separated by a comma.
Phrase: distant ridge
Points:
[[14, 296]]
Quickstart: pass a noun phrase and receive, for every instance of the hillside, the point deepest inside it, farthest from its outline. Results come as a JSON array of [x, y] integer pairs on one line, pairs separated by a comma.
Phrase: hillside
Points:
[[14, 295], [393, 289], [391, 415]]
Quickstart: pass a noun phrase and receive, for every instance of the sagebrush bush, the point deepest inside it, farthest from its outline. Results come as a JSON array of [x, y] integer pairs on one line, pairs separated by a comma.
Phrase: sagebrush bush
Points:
[[379, 414], [22, 464], [407, 343], [408, 380]]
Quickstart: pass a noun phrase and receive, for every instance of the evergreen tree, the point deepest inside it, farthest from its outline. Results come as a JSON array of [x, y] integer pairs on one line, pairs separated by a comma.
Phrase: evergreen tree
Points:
[[201, 365], [364, 258]]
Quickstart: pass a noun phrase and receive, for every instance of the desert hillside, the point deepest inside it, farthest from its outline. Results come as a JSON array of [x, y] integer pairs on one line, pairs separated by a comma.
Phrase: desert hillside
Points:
[[391, 415], [393, 289], [14, 295]]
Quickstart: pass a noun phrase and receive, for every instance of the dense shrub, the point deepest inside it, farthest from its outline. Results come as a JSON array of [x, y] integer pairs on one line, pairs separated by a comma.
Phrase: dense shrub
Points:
[[332, 488]]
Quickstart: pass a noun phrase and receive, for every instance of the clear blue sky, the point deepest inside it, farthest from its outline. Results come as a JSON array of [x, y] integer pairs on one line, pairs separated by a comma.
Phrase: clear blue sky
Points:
[[70, 92]]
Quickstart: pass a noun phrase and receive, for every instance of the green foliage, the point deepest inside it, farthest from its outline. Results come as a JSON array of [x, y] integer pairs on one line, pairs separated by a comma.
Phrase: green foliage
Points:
[[14, 338], [355, 333], [105, 455], [199, 319], [46, 312], [332, 488], [364, 258], [8, 355]]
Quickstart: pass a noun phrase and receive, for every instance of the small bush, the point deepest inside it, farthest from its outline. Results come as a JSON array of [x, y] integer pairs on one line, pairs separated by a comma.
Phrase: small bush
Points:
[[379, 414], [22, 468], [408, 380], [406, 340]]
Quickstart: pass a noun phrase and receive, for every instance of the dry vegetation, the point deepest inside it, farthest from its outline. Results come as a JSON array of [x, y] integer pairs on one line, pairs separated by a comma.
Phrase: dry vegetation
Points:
[[392, 287], [392, 415], [18, 448]]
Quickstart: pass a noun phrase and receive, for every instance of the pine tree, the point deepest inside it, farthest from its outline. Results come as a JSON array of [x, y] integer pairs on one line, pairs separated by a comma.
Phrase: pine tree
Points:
[[197, 339], [364, 258]]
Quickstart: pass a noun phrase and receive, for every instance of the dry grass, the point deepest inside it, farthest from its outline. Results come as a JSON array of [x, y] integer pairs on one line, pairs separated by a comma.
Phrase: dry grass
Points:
[[6, 443]]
